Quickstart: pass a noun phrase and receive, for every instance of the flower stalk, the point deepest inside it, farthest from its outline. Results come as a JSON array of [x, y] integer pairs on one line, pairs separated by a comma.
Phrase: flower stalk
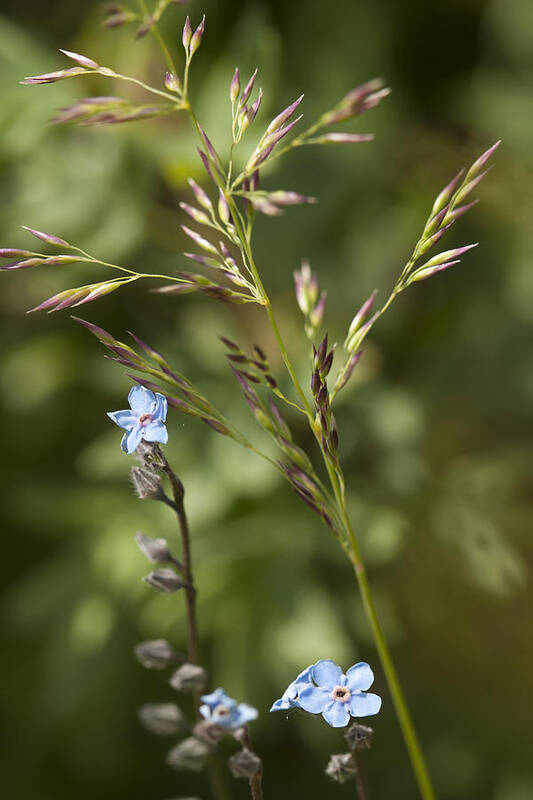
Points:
[[178, 493]]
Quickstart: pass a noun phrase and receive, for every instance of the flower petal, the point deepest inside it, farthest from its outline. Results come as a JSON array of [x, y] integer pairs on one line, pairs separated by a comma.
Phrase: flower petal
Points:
[[364, 704], [360, 677], [305, 676], [155, 432], [161, 405], [326, 674], [314, 699], [130, 440], [141, 400], [283, 704], [336, 714], [245, 713], [216, 697], [124, 419]]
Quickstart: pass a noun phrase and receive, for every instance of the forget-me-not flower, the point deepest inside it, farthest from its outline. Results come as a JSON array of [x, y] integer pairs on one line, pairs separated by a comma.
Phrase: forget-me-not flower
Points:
[[330, 692], [222, 710], [289, 698], [143, 420]]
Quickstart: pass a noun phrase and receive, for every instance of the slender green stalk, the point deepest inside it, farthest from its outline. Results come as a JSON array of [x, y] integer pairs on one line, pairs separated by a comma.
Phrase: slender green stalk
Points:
[[400, 704]]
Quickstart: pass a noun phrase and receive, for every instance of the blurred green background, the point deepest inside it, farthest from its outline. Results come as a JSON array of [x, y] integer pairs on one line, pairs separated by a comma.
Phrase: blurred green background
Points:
[[435, 429]]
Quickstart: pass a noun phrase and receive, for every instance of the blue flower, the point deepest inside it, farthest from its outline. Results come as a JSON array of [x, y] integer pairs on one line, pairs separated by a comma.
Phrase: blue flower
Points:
[[325, 689], [143, 420], [289, 698], [224, 711]]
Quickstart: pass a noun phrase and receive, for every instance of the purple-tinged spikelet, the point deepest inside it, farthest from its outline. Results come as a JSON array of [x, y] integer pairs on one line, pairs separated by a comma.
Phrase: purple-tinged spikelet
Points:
[[343, 138], [52, 77], [283, 116], [49, 238], [83, 61], [196, 38], [200, 195], [187, 33], [200, 241], [248, 89], [235, 86]]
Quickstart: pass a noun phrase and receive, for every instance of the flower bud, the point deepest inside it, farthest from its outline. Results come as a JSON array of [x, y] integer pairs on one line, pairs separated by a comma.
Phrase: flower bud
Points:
[[188, 678], [164, 719], [190, 754], [155, 654]]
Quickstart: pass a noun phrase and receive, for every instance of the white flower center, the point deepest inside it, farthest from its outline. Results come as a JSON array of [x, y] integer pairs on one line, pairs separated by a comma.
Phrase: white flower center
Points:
[[341, 694], [144, 419], [221, 711]]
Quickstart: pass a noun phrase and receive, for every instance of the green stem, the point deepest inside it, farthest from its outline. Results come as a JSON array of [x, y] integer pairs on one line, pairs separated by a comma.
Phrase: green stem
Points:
[[109, 73], [164, 49], [400, 704]]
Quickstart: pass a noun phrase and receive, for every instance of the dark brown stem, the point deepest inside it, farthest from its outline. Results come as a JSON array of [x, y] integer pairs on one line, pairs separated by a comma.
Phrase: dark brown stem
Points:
[[178, 491], [359, 782], [256, 781]]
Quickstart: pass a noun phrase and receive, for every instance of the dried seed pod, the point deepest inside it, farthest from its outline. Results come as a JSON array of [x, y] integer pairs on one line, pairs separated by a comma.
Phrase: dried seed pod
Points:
[[164, 580], [147, 485], [245, 764], [155, 550], [190, 754], [341, 767], [188, 678], [359, 737], [209, 732], [156, 654], [164, 719]]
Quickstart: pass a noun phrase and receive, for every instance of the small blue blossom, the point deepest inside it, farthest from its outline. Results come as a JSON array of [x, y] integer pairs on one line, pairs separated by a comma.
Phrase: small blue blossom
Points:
[[222, 710], [324, 689], [289, 698], [143, 420]]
